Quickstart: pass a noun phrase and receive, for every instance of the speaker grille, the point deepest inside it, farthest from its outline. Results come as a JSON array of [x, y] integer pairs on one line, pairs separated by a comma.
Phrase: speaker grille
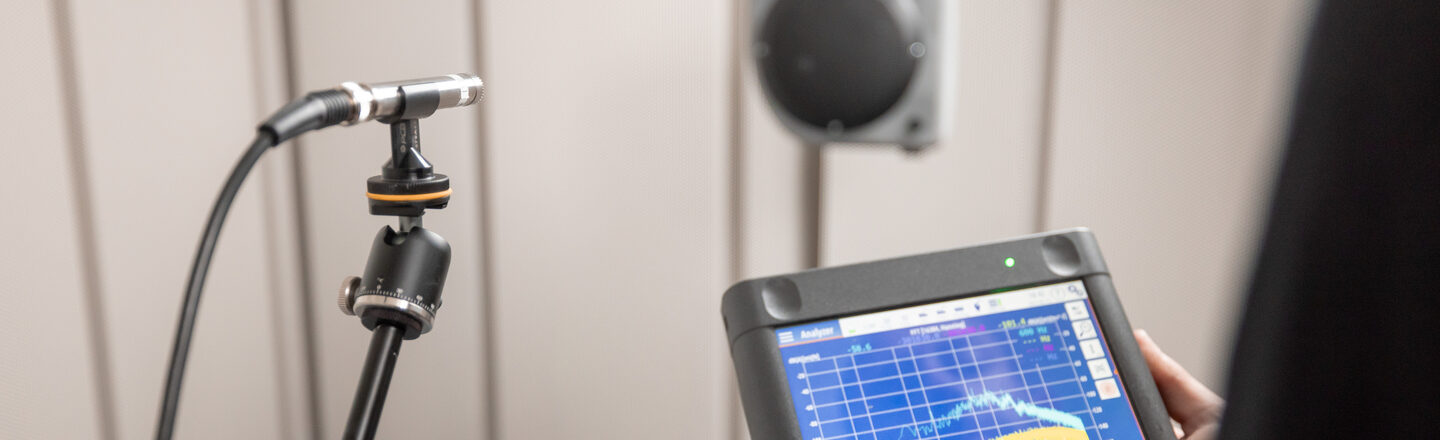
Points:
[[830, 62]]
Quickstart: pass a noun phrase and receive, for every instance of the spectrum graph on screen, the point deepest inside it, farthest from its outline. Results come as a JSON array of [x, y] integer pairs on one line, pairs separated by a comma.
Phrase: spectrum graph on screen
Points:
[[1026, 364]]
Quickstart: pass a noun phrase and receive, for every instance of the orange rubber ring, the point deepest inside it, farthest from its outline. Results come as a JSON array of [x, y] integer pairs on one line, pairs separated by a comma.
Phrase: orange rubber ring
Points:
[[408, 197]]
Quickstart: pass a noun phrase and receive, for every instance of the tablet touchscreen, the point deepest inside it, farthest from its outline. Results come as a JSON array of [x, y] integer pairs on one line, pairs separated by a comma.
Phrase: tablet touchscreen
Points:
[[1021, 364]]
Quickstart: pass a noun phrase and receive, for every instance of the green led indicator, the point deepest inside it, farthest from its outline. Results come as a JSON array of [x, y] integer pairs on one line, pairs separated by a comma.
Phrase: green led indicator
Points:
[[1009, 262]]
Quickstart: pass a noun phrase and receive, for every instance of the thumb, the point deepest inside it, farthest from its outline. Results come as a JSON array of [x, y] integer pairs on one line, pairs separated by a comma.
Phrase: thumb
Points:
[[1188, 401]]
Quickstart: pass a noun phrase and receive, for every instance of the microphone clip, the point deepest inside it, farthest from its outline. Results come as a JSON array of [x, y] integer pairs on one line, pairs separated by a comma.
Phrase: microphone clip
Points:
[[408, 184]]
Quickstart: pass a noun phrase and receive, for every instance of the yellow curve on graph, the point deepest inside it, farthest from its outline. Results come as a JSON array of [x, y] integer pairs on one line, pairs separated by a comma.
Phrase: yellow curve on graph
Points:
[[1050, 433]]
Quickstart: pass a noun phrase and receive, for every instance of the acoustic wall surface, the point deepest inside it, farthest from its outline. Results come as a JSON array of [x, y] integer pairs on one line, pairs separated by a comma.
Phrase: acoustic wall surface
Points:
[[623, 170], [979, 183], [48, 378], [608, 160], [1164, 141], [157, 150]]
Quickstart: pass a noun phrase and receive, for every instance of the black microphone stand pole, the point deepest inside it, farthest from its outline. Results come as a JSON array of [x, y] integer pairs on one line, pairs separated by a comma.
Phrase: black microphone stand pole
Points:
[[400, 291], [374, 381]]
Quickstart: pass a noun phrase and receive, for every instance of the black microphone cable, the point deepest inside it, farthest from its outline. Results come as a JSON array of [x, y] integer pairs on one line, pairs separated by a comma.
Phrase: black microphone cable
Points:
[[314, 111], [351, 103], [191, 303]]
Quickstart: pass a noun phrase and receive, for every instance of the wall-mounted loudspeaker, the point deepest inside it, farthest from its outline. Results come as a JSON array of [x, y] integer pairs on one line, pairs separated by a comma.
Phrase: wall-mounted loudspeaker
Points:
[[867, 71]]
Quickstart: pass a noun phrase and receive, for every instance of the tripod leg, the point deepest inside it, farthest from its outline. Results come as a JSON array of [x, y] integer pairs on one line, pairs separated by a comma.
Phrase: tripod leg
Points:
[[374, 382]]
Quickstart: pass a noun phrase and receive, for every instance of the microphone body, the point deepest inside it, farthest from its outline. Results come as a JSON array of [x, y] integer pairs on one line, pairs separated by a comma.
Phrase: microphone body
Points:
[[412, 99], [353, 103]]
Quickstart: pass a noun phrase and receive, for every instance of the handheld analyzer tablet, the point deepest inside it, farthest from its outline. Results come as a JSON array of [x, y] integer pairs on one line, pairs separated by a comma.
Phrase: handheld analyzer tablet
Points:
[[1016, 340]]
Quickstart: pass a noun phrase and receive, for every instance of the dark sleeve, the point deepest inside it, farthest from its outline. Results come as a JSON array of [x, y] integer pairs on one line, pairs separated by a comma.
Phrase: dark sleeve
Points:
[[1341, 332]]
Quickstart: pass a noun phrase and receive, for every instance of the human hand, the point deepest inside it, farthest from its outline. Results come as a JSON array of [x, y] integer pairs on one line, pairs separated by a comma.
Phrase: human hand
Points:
[[1190, 403]]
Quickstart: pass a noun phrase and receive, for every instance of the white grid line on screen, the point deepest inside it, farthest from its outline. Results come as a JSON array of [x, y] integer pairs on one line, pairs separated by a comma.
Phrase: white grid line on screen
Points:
[[994, 422], [1028, 395], [1038, 369], [1071, 360], [909, 404], [956, 357], [806, 372], [926, 371], [846, 394], [993, 426], [836, 370]]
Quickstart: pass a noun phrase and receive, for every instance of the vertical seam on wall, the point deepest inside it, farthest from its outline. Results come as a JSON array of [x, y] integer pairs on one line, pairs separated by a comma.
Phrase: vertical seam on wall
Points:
[[270, 223], [85, 221], [812, 182], [488, 392], [1047, 114], [736, 197], [302, 237], [278, 298]]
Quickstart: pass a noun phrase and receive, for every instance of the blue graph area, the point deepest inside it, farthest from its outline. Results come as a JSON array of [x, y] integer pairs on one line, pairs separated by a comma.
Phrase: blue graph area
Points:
[[984, 377], [1003, 401]]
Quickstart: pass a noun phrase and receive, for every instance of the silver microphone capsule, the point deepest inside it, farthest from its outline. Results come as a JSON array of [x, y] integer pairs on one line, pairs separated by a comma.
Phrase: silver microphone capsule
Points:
[[411, 99]]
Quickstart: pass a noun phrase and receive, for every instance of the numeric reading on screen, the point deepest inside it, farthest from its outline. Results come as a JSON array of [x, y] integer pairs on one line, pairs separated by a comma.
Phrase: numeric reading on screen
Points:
[[1026, 364]]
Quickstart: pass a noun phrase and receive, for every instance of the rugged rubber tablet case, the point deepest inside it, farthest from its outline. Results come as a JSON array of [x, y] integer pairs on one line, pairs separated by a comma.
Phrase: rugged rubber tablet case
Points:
[[752, 309]]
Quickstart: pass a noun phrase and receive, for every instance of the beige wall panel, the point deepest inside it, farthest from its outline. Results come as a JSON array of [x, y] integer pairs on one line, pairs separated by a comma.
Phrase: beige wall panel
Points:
[[609, 163], [881, 202], [167, 90], [771, 189], [47, 379], [978, 183], [275, 177], [437, 388], [1164, 143], [771, 184]]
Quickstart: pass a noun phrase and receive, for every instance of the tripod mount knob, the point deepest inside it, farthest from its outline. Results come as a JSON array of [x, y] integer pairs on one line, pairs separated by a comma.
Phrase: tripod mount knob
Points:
[[348, 289]]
